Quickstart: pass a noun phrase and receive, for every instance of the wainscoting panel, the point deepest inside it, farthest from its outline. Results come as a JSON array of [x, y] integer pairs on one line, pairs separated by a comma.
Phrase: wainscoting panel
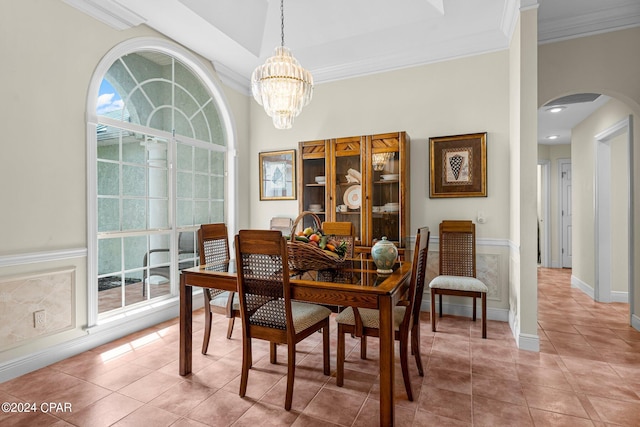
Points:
[[36, 305]]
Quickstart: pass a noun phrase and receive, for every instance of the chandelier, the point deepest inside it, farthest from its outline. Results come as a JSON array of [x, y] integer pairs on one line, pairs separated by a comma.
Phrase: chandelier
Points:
[[379, 160], [281, 85]]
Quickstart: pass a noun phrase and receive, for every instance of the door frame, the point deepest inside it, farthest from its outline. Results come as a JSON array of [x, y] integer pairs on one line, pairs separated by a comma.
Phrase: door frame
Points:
[[602, 168], [545, 199], [561, 163]]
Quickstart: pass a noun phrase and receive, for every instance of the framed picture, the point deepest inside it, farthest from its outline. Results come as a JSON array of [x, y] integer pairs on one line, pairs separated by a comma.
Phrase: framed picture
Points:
[[458, 166], [278, 175]]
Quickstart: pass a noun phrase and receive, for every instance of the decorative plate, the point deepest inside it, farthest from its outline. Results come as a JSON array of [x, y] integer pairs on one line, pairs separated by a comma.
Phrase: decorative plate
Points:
[[353, 197]]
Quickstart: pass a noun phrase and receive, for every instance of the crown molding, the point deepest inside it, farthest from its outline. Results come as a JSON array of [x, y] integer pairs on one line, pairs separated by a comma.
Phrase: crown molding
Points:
[[479, 44], [109, 12], [232, 78], [612, 19]]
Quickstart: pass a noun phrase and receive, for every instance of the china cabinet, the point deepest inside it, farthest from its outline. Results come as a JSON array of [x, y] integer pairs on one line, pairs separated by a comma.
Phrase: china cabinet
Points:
[[358, 179]]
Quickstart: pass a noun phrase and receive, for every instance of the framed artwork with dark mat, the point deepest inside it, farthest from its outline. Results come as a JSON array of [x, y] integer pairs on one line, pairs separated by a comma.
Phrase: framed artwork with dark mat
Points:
[[458, 166]]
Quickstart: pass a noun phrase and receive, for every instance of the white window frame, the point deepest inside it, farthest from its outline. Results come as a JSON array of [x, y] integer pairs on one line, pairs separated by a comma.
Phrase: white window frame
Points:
[[211, 83]]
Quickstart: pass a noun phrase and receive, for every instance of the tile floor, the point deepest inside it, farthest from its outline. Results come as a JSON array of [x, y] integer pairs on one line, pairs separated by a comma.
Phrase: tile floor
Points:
[[586, 374]]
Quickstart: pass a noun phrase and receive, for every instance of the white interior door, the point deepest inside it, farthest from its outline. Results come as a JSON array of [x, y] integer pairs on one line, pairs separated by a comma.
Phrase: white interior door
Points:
[[565, 171]]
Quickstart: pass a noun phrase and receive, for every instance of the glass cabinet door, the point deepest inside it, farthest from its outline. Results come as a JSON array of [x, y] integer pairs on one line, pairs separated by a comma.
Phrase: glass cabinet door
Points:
[[347, 198], [386, 189], [313, 178]]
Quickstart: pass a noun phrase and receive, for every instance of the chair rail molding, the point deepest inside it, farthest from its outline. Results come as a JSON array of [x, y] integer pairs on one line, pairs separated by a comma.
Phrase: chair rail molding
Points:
[[38, 257]]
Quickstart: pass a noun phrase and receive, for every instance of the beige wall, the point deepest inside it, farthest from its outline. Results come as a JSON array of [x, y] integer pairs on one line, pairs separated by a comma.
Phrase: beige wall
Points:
[[48, 63], [455, 97], [583, 173]]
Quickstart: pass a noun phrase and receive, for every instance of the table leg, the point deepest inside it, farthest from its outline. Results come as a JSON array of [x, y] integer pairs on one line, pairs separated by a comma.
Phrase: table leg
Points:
[[387, 354], [186, 312]]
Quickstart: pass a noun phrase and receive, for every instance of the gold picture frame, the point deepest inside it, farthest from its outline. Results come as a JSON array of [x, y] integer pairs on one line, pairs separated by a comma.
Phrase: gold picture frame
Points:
[[278, 175], [458, 166]]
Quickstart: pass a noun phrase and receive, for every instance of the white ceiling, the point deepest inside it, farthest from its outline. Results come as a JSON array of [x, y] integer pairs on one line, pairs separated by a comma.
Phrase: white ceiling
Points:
[[339, 39]]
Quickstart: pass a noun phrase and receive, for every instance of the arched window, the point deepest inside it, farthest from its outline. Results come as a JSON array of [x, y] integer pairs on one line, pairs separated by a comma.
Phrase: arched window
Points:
[[160, 145]]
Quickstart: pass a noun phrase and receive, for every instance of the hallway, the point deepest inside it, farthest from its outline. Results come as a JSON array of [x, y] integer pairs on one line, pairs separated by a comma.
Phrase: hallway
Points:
[[586, 374]]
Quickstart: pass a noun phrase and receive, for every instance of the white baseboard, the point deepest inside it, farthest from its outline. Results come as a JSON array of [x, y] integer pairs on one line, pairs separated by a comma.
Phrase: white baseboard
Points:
[[635, 322], [498, 314], [98, 336], [528, 342], [523, 341], [617, 296], [583, 286]]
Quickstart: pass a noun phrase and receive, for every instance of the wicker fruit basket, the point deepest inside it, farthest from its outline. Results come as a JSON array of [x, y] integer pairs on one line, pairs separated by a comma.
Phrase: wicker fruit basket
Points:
[[305, 257]]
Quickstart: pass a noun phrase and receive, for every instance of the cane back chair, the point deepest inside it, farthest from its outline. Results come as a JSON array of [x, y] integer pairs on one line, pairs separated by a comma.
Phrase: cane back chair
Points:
[[213, 243], [457, 275], [268, 313], [365, 322]]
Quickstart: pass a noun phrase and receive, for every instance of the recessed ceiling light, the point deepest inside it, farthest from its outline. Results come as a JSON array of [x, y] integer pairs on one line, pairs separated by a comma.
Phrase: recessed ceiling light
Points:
[[555, 109], [553, 136]]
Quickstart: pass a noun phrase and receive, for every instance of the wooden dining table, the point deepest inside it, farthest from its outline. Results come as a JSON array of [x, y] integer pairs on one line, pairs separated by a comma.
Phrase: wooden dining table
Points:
[[354, 283]]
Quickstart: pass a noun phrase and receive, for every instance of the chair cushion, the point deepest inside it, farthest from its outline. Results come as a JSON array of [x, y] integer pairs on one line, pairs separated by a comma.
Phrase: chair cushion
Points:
[[370, 317], [221, 299], [306, 315], [458, 283]]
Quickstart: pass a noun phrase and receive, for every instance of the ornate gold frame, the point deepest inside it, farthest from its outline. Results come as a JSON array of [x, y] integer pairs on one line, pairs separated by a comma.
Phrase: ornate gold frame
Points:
[[458, 166], [278, 175]]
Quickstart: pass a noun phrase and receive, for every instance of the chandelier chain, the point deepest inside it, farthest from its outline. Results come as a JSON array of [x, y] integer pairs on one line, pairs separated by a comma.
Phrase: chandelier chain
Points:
[[282, 22]]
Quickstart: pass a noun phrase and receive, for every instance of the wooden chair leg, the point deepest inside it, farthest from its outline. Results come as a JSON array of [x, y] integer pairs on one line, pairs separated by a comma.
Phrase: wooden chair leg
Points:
[[474, 309], [440, 304], [433, 310], [484, 315], [363, 347], [415, 347], [404, 364], [291, 373], [325, 348], [246, 365], [340, 358], [230, 327], [207, 324], [273, 353], [415, 337]]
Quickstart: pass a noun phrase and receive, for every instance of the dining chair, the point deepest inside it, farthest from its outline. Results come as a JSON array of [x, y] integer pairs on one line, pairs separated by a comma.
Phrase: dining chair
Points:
[[457, 273], [283, 224], [213, 245], [342, 230], [365, 322], [268, 313], [186, 245]]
